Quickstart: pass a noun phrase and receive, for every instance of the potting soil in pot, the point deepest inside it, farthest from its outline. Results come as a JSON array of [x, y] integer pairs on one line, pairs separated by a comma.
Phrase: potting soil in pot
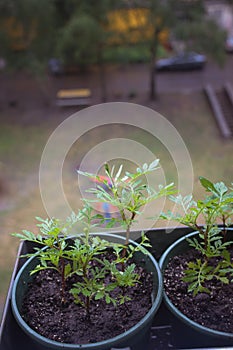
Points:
[[213, 310], [68, 322]]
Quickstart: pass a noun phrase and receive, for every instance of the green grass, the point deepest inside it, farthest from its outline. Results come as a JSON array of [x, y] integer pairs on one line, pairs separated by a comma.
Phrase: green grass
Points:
[[21, 148], [131, 54]]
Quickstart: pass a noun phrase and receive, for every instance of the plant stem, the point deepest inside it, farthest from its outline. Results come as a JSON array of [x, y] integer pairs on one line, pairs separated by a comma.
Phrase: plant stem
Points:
[[62, 280], [88, 307], [224, 228]]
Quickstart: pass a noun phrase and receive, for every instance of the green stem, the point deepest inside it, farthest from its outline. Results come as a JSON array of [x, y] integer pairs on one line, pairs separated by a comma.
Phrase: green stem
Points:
[[224, 232], [62, 280], [88, 307]]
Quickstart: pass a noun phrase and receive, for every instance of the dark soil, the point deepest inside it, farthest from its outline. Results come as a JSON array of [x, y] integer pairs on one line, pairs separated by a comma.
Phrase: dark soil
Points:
[[213, 310], [69, 323]]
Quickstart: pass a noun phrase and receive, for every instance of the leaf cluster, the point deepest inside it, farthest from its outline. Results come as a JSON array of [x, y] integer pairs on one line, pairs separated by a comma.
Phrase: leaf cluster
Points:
[[128, 192], [93, 269], [210, 217], [198, 272], [84, 259]]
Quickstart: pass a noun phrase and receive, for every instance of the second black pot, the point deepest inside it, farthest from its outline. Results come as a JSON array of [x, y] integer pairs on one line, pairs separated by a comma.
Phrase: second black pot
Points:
[[208, 335]]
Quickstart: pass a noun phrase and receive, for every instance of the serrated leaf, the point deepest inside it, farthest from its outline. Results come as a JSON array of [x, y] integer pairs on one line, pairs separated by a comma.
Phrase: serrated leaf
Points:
[[99, 295], [67, 270], [207, 184], [154, 165], [223, 279], [107, 299], [220, 188], [86, 292]]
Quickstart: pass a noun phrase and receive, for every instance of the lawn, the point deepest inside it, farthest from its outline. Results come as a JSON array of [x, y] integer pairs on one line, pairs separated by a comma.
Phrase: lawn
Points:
[[21, 147]]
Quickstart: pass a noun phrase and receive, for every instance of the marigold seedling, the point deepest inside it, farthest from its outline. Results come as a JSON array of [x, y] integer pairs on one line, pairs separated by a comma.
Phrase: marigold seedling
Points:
[[210, 217]]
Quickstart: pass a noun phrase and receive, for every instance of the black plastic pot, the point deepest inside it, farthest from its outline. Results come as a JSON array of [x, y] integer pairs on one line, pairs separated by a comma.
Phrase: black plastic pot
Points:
[[134, 338], [166, 332], [211, 335]]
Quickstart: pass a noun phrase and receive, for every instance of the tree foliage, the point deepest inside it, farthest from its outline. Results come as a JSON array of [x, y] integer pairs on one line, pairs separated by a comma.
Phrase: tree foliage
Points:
[[197, 31], [80, 40], [80, 31], [26, 32], [187, 23]]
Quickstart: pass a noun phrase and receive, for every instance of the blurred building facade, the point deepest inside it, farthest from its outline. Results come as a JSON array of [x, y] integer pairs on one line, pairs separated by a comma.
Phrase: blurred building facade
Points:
[[222, 13]]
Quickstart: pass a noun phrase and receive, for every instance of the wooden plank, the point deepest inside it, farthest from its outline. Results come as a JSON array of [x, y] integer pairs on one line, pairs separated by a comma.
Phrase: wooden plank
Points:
[[73, 102], [217, 110], [73, 93], [73, 97], [229, 91]]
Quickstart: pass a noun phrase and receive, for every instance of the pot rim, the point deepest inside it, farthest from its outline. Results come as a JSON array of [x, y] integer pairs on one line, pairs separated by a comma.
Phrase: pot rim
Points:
[[98, 345]]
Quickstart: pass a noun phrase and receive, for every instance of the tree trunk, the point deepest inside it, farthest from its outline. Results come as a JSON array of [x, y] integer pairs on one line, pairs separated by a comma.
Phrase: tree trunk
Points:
[[153, 92], [103, 82], [102, 76], [152, 71]]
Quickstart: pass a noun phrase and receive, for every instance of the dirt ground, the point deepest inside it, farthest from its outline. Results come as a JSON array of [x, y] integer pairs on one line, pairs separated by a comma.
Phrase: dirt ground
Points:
[[20, 93]]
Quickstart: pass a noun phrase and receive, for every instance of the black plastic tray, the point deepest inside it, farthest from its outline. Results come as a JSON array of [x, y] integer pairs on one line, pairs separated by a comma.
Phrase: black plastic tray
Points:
[[166, 332]]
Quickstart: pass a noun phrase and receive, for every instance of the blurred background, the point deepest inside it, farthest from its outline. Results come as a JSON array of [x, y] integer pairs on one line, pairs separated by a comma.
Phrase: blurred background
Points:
[[60, 56]]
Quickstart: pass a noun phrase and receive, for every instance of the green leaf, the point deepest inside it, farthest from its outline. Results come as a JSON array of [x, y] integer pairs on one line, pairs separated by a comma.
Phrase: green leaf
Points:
[[220, 188], [108, 299], [86, 292], [99, 295], [223, 279], [154, 165], [67, 270], [207, 184], [118, 172]]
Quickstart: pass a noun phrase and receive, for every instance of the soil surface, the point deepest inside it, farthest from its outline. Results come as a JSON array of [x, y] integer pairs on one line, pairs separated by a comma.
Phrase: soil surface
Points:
[[213, 310], [69, 323]]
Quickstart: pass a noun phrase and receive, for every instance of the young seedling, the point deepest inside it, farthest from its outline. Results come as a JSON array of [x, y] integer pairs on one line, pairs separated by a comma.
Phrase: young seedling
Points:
[[210, 217], [92, 283], [53, 235], [93, 268], [84, 258], [127, 192], [85, 253], [223, 198]]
